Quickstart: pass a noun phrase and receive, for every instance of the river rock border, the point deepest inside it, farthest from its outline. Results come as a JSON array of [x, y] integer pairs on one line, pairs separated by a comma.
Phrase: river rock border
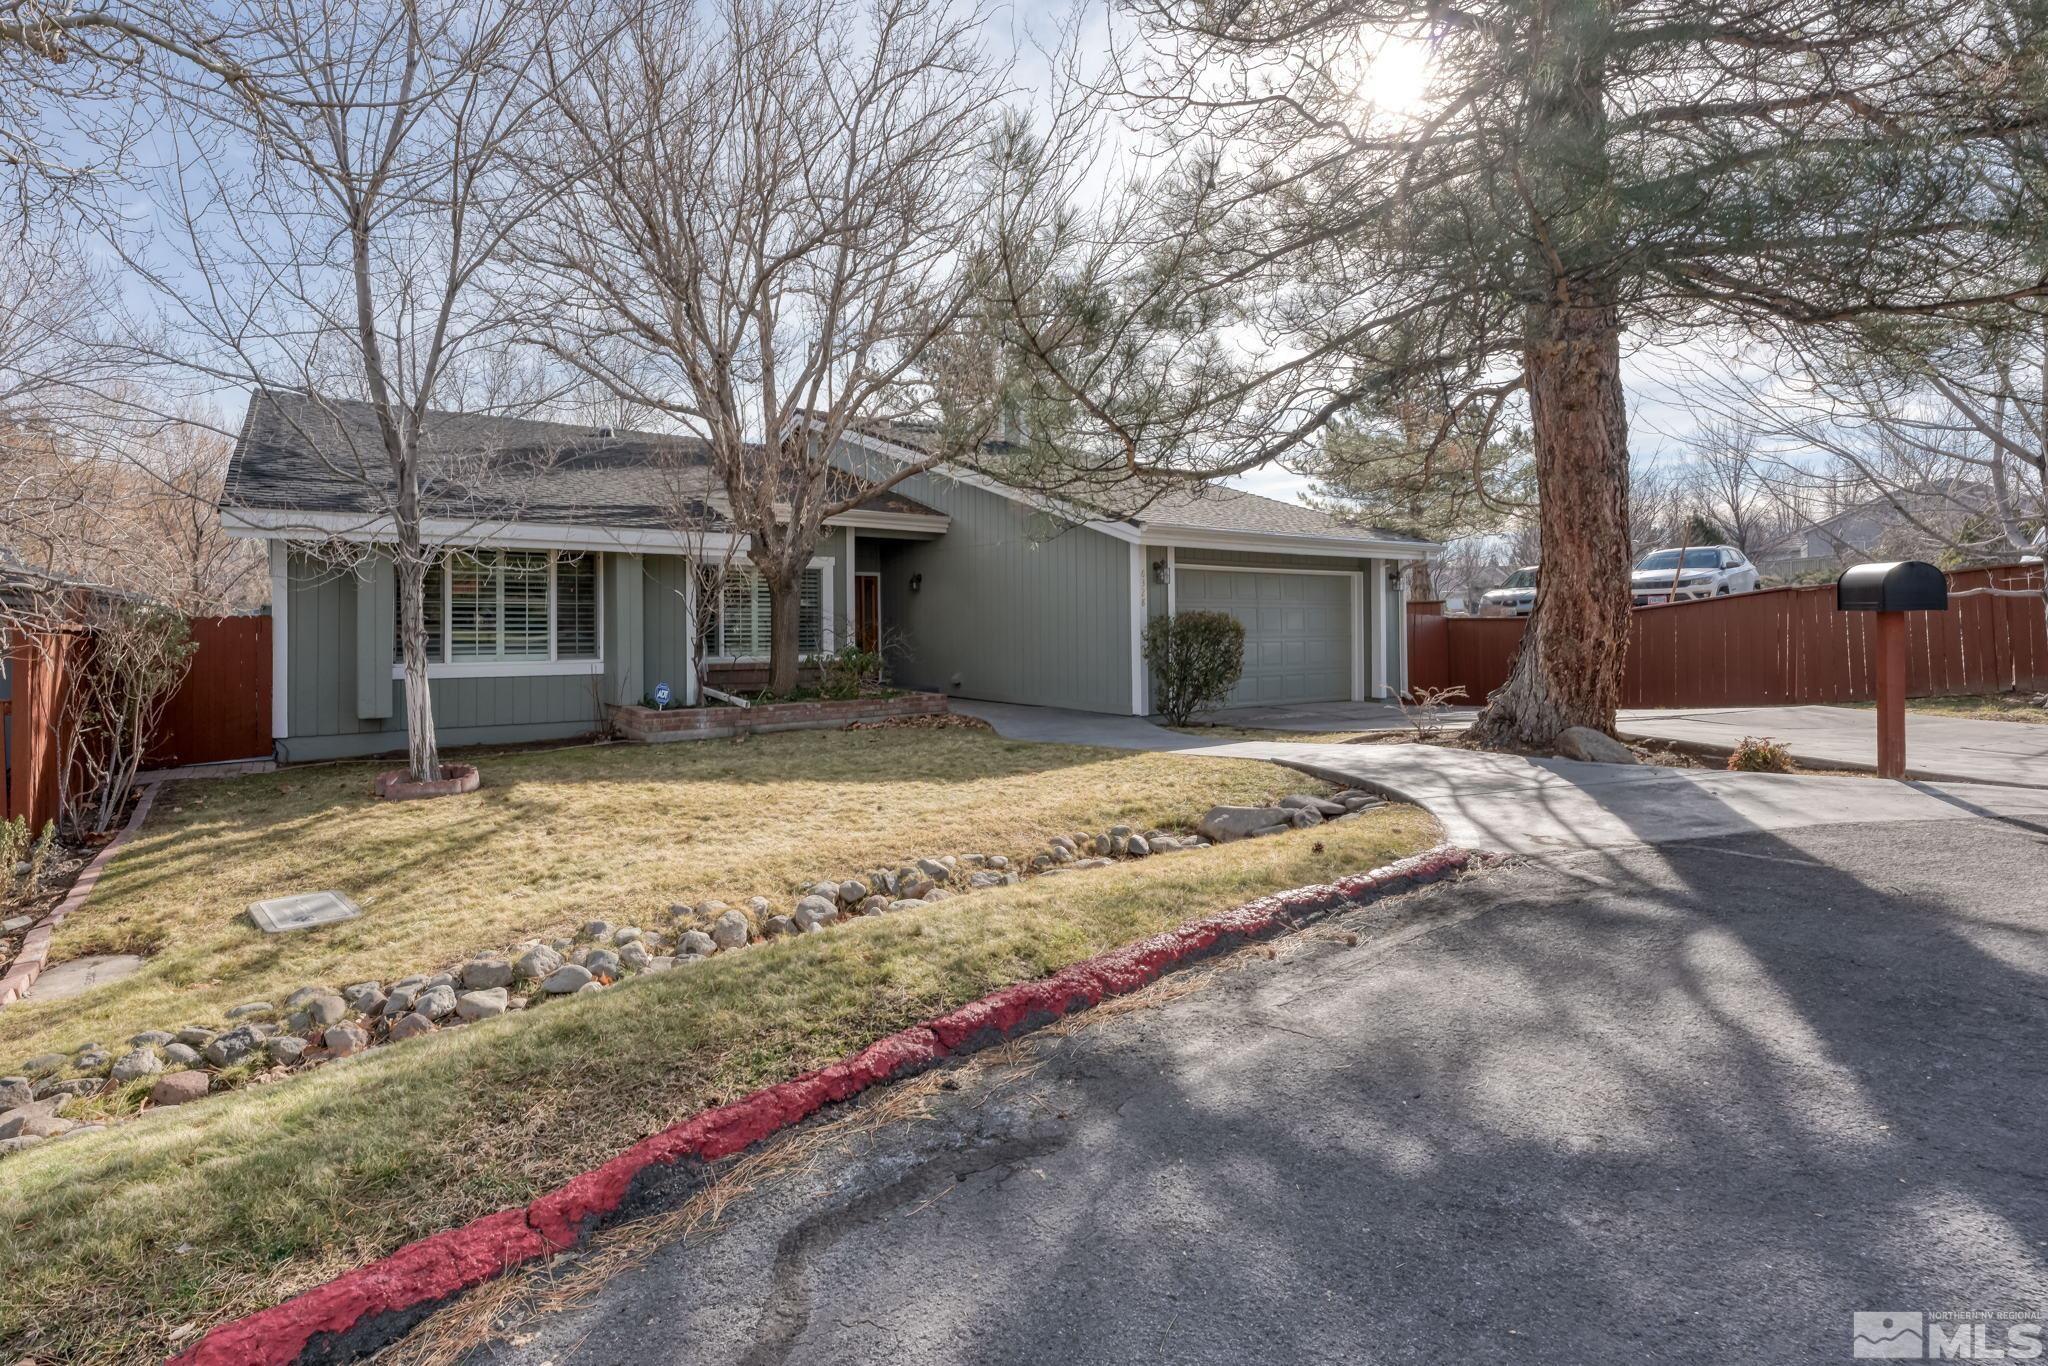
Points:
[[314, 1025], [368, 1308]]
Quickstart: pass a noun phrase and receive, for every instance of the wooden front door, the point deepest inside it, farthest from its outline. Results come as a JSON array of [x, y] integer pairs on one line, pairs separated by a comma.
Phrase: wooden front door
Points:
[[867, 611]]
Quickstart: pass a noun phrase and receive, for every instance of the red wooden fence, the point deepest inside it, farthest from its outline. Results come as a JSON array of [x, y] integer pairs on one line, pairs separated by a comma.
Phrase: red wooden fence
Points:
[[1781, 646], [222, 709], [38, 672]]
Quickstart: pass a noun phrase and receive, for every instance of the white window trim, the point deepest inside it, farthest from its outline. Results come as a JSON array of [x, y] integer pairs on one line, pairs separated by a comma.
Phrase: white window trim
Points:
[[827, 641], [551, 667]]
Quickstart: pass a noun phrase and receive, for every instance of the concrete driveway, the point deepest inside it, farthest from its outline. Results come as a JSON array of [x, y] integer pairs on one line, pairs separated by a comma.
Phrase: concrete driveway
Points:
[[1509, 804], [1330, 716], [1938, 748], [1693, 1104]]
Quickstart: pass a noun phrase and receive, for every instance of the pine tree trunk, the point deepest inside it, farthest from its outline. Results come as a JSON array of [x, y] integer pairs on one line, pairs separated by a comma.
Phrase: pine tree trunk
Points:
[[785, 607], [422, 748], [1569, 669]]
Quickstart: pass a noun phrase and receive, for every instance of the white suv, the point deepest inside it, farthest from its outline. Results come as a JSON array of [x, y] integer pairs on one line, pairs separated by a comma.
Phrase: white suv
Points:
[[1708, 571], [1515, 598]]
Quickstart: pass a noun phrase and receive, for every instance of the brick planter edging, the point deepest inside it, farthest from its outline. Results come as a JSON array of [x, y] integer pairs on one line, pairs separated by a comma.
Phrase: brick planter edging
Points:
[[364, 1309], [35, 946], [649, 726], [397, 785]]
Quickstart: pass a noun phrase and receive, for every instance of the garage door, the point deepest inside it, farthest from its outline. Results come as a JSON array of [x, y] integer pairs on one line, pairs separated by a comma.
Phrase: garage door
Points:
[[1297, 630]]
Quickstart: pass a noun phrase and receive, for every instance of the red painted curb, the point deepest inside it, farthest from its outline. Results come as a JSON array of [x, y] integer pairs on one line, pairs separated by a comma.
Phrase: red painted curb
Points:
[[421, 1274]]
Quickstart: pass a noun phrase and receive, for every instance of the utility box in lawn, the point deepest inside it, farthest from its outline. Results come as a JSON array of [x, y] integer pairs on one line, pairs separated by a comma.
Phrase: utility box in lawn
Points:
[[1891, 591]]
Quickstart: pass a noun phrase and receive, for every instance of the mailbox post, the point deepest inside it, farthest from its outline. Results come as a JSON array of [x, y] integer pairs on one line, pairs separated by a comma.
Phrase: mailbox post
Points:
[[1891, 591]]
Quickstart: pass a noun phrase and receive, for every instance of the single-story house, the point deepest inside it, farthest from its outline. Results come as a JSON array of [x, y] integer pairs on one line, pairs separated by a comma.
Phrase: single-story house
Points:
[[575, 585]]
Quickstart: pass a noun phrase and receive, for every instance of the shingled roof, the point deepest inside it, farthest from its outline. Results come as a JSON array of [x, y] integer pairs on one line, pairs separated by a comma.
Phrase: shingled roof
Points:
[[1191, 505], [299, 453]]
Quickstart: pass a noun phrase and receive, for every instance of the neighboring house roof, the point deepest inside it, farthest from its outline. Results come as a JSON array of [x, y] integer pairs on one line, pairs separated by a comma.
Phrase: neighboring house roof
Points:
[[1156, 505], [1861, 526], [305, 455]]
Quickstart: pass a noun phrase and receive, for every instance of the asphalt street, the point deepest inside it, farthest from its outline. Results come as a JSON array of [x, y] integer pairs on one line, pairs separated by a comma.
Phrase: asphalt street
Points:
[[1693, 1103]]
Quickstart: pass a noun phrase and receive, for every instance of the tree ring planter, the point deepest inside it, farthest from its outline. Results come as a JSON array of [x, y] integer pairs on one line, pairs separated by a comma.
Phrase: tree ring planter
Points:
[[649, 726], [396, 785]]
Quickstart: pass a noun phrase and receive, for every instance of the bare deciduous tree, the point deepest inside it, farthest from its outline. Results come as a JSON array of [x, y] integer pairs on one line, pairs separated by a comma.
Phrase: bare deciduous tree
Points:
[[328, 228], [770, 226]]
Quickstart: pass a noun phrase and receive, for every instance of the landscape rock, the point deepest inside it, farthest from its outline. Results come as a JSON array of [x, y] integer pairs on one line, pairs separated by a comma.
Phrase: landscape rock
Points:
[[248, 1008], [320, 1011], [364, 997], [935, 869], [90, 1059], [483, 1004], [286, 1050], [589, 987], [141, 1063], [230, 1048], [195, 1037], [14, 1091], [1137, 846], [814, 913], [1302, 802], [602, 963], [37, 1119], [151, 1038], [410, 1027], [399, 1002], [77, 1086], [1226, 823], [661, 962], [697, 942], [906, 904], [760, 905], [872, 905], [15, 1145], [730, 930], [1593, 747], [482, 974], [537, 962], [344, 1040], [565, 979], [436, 1003], [15, 924], [853, 891], [175, 1088], [1305, 816], [635, 956], [1062, 842], [826, 889], [600, 930], [775, 926], [629, 935], [180, 1055], [914, 887]]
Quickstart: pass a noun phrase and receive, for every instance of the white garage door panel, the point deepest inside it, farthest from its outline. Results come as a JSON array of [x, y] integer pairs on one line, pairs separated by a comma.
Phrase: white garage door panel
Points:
[[1297, 629]]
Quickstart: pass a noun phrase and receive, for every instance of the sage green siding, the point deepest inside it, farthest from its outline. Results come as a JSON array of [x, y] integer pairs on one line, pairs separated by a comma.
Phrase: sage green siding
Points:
[[325, 641], [1013, 606], [665, 618]]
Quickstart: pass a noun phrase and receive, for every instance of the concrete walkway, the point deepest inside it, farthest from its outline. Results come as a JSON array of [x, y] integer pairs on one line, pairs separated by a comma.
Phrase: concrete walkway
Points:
[[1545, 806], [1938, 748]]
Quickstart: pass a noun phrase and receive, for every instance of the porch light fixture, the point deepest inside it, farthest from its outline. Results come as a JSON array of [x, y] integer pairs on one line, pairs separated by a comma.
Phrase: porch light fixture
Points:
[[1159, 573], [916, 582]]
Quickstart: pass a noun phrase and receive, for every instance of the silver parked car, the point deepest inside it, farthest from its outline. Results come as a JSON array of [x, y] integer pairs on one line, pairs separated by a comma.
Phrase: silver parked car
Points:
[[1708, 571], [1515, 598]]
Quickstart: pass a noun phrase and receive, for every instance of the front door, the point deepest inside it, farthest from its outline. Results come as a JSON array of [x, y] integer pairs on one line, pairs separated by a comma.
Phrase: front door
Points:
[[867, 611]]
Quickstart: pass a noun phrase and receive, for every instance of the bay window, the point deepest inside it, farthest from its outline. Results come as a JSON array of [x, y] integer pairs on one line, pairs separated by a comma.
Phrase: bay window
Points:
[[515, 607]]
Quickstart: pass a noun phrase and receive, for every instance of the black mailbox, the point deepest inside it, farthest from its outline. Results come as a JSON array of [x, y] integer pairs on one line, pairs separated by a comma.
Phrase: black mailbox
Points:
[[1903, 586]]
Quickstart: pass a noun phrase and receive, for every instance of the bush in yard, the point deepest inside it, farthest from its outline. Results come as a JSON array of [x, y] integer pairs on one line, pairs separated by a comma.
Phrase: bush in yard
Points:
[[1198, 657], [850, 672], [1760, 754]]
